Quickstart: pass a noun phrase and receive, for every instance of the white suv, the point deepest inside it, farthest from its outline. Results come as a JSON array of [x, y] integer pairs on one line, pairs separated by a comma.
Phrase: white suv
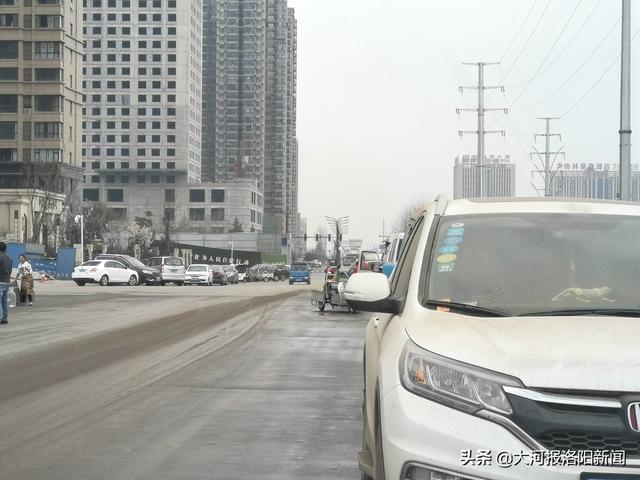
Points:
[[506, 345], [171, 269]]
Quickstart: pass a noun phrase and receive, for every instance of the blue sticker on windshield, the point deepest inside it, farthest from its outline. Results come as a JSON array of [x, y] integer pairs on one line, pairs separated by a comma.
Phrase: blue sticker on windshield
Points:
[[455, 232], [448, 249], [453, 240]]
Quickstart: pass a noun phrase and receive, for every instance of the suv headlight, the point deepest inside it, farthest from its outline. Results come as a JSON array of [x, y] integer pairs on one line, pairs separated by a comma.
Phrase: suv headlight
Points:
[[452, 383]]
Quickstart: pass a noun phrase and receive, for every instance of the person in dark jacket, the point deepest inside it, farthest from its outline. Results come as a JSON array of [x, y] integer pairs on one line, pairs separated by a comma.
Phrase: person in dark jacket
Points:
[[6, 265]]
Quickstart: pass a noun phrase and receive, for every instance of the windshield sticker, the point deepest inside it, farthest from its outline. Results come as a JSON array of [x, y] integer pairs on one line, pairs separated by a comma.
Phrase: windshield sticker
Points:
[[453, 240], [455, 232], [448, 249], [457, 225], [447, 258], [446, 267]]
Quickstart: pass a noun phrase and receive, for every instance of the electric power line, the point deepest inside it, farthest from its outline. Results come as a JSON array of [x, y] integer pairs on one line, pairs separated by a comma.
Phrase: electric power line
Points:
[[519, 31], [504, 32], [553, 46], [593, 52], [526, 44], [597, 82], [564, 49]]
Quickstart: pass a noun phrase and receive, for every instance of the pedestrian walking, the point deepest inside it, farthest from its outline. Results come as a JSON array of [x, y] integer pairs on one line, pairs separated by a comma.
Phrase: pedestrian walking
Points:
[[6, 265], [25, 275]]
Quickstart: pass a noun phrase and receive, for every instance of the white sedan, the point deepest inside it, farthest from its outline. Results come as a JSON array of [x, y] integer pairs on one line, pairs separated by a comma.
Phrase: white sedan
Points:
[[198, 274], [507, 334], [104, 272]]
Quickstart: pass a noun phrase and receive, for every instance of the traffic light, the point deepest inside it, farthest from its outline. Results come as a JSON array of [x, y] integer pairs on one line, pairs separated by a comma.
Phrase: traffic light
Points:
[[329, 237], [317, 237]]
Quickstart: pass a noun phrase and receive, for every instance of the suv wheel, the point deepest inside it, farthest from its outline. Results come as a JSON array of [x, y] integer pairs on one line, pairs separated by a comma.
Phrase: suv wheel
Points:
[[133, 281], [104, 281], [276, 277]]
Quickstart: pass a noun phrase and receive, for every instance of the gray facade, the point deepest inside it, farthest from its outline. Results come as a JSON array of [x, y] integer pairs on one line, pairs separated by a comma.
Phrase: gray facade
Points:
[[234, 92], [142, 120], [499, 177], [249, 102], [291, 205]]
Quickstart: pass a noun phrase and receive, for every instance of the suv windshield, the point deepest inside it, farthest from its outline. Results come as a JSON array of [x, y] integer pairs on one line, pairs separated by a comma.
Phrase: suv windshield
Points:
[[173, 261], [523, 264]]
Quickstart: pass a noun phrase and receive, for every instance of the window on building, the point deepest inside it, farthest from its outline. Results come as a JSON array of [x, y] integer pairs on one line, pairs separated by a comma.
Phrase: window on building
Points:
[[196, 214], [115, 195], [91, 195], [217, 214], [8, 130], [169, 195], [217, 195], [170, 214], [196, 195]]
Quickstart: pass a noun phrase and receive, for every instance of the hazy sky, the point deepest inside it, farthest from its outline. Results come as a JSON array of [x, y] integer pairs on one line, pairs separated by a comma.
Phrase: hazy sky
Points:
[[378, 88]]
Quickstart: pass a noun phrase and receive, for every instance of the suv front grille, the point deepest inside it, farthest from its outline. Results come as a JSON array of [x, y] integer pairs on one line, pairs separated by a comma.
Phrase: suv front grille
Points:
[[590, 441]]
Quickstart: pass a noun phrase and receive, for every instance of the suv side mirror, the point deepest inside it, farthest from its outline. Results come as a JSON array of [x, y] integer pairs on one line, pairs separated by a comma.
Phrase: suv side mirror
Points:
[[370, 292]]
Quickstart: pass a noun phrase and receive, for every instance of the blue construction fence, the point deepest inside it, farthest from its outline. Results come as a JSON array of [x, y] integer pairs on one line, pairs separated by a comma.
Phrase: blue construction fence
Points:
[[60, 267]]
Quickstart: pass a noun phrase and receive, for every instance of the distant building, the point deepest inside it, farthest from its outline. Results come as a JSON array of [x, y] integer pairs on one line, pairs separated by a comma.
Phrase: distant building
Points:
[[249, 95], [499, 177], [599, 180]]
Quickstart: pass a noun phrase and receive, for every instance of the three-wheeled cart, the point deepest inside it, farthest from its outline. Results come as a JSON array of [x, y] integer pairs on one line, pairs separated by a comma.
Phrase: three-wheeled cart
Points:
[[332, 292]]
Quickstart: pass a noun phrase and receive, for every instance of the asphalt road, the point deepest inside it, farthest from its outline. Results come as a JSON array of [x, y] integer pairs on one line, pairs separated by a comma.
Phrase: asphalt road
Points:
[[247, 382]]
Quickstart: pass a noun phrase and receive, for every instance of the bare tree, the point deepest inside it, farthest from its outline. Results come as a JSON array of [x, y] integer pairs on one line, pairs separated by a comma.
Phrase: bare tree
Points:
[[44, 184], [403, 220]]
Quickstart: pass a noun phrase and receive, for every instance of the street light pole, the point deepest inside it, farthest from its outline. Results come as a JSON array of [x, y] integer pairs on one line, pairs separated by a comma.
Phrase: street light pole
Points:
[[231, 259], [80, 219]]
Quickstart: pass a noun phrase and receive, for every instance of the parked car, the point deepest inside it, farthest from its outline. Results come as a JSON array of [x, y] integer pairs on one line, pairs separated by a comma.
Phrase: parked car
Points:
[[146, 274], [231, 272], [280, 272], [299, 272], [198, 274], [171, 269], [242, 272], [219, 276], [505, 328], [104, 272]]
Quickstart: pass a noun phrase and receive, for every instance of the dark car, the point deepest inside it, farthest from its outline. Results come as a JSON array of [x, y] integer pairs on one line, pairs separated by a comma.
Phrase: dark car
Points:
[[281, 272], [146, 275]]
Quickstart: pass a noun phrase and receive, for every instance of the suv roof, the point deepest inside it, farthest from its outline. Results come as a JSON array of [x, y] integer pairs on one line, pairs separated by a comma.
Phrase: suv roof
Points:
[[538, 205]]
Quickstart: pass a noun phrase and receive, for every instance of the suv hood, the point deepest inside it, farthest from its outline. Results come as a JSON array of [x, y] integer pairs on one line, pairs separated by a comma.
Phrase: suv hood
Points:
[[583, 353]]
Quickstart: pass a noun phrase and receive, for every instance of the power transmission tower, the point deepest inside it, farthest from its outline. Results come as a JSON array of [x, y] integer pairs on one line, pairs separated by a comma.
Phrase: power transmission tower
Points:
[[548, 163], [625, 104], [481, 132]]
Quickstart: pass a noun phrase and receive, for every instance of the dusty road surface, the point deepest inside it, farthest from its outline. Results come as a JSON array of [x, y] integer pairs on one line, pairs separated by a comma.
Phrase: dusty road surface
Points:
[[235, 382]]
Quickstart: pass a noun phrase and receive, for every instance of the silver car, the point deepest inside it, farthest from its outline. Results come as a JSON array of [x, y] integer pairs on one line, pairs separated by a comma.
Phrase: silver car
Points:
[[171, 269]]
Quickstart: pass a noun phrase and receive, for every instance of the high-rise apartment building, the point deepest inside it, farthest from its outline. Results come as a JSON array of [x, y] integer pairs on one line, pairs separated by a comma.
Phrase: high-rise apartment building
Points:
[[291, 204], [275, 177], [41, 49], [498, 177], [234, 94], [249, 102], [600, 181], [143, 87]]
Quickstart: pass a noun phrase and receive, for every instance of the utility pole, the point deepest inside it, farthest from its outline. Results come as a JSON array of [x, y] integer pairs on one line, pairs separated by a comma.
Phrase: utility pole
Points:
[[547, 153], [481, 132], [625, 104]]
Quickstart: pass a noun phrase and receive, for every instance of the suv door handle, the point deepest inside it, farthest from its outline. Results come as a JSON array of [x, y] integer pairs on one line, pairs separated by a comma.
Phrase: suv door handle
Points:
[[376, 322]]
